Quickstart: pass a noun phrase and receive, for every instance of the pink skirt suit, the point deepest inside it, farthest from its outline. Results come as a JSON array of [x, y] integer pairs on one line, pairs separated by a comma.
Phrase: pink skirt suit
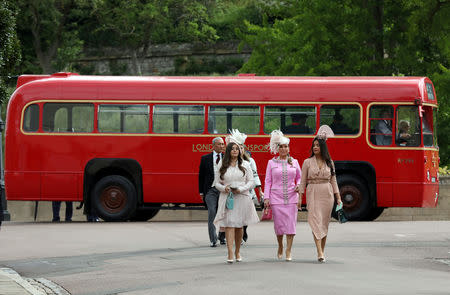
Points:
[[279, 189], [320, 189]]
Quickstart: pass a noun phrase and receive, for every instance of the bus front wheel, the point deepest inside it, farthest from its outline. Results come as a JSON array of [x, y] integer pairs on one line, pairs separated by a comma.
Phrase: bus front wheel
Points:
[[114, 198], [144, 214], [355, 197]]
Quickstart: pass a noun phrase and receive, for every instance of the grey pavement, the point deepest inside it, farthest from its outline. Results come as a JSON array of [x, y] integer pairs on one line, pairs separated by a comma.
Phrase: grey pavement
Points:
[[175, 258]]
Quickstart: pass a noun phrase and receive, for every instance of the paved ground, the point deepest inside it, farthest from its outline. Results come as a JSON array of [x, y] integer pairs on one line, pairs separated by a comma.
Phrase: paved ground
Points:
[[174, 258]]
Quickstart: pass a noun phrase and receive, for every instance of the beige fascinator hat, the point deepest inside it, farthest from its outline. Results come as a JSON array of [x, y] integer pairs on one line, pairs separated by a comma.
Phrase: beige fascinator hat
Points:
[[236, 137], [325, 132], [277, 138]]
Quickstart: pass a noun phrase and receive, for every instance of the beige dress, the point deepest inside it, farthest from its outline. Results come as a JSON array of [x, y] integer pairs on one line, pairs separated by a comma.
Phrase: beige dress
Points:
[[320, 190]]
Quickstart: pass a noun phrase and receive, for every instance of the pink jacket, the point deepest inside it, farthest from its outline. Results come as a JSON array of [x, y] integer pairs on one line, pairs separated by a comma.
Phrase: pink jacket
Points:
[[281, 179]]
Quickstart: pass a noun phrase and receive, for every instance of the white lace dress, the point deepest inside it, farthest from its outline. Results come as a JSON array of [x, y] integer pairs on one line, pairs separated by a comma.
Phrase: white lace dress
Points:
[[243, 212]]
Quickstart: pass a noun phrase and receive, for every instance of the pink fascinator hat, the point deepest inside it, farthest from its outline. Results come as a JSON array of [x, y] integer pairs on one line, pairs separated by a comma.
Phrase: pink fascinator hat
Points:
[[277, 138], [325, 132], [236, 137]]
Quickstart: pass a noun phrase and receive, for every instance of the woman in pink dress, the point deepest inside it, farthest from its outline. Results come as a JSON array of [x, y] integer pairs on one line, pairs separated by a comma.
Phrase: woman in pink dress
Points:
[[282, 175], [319, 179]]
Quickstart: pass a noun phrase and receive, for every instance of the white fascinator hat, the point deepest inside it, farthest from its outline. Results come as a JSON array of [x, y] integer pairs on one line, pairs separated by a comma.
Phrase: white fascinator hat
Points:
[[325, 132], [236, 137], [277, 138]]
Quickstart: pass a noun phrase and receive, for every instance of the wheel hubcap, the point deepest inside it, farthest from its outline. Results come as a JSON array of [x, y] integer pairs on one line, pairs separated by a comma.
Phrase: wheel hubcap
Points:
[[113, 199], [351, 198]]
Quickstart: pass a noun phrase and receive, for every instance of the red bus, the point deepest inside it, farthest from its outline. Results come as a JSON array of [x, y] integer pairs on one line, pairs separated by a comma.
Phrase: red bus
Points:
[[127, 145]]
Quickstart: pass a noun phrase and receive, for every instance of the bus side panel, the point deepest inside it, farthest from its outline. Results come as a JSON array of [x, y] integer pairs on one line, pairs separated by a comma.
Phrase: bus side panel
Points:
[[384, 192], [59, 186], [173, 192], [430, 195], [23, 186]]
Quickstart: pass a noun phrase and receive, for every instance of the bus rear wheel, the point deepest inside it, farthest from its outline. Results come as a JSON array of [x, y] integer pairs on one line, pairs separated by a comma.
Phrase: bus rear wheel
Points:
[[355, 197], [114, 198]]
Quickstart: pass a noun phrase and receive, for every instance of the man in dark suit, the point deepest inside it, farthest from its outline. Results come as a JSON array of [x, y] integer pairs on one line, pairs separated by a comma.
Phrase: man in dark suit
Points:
[[298, 125], [208, 165]]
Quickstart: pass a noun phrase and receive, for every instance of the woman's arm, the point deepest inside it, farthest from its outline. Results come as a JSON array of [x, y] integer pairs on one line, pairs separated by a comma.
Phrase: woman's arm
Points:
[[248, 178], [255, 173], [298, 173], [301, 187], [335, 186], [268, 183], [218, 183]]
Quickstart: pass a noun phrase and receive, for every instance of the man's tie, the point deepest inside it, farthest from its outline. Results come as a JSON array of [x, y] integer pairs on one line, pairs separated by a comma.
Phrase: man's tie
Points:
[[218, 158]]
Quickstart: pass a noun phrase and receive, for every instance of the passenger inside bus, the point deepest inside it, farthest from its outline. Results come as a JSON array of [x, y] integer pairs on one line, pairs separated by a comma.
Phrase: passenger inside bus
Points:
[[403, 135], [298, 125], [384, 128], [338, 127]]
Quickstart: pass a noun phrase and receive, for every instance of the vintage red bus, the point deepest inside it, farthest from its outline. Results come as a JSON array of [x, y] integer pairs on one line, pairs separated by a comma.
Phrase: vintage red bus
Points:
[[126, 145]]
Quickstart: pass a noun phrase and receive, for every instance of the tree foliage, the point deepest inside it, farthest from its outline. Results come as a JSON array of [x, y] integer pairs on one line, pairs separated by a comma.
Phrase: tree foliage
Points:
[[135, 25], [49, 33], [9, 45], [352, 37]]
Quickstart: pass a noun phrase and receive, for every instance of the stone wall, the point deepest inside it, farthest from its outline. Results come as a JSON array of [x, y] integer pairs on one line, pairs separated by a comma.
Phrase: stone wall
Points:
[[24, 211], [163, 59]]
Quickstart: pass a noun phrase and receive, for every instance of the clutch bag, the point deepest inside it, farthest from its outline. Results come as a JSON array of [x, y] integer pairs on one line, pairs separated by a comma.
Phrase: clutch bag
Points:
[[342, 218], [230, 201], [267, 214]]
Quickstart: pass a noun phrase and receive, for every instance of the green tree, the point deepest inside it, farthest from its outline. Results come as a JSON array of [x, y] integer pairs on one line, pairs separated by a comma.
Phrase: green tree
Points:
[[351, 37], [9, 45], [49, 33], [135, 25]]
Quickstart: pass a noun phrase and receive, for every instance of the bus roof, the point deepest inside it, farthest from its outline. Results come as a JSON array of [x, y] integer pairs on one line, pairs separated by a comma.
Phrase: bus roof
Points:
[[231, 88]]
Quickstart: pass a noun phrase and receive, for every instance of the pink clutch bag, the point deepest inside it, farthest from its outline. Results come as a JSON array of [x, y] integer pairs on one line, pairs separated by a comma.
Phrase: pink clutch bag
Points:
[[267, 214]]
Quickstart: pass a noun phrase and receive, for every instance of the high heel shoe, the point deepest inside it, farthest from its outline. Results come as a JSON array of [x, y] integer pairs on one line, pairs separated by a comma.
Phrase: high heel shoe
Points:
[[239, 259], [321, 259], [280, 253], [230, 261], [288, 257]]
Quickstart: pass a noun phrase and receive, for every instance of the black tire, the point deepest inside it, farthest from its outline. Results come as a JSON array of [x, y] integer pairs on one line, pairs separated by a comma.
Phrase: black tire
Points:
[[114, 198], [375, 213], [144, 214], [355, 196]]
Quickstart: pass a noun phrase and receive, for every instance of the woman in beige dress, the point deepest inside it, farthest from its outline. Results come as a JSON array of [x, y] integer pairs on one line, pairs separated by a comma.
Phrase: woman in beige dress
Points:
[[319, 179]]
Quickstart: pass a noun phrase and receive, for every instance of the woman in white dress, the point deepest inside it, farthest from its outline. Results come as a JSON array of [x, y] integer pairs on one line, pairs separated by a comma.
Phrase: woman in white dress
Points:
[[235, 175]]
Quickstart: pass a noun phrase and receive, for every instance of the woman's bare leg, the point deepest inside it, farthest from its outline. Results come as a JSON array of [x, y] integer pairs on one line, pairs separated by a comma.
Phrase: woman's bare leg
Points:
[[323, 242], [289, 241], [229, 236], [318, 247], [280, 246], [237, 241]]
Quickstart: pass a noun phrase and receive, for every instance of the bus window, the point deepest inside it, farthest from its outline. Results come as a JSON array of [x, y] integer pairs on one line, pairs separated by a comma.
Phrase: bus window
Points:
[[188, 119], [427, 121], [123, 118], [342, 119], [221, 119], [68, 117], [408, 126], [381, 124], [435, 141], [291, 120], [430, 91], [31, 118]]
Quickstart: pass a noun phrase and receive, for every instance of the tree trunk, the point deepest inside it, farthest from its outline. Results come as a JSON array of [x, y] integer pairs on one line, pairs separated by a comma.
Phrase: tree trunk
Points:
[[379, 34]]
